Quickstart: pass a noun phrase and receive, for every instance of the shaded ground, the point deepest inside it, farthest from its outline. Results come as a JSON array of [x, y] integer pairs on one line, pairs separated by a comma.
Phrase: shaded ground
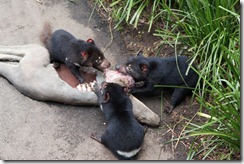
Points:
[[48, 131]]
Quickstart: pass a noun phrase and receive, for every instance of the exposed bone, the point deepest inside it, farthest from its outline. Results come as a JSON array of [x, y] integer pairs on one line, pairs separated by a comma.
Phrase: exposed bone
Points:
[[85, 87], [36, 78]]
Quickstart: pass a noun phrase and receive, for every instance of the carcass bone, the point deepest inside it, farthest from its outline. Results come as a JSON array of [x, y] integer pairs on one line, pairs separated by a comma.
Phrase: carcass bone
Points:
[[28, 68]]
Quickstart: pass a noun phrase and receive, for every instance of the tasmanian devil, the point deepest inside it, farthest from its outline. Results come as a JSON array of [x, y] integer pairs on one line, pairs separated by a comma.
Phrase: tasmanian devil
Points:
[[153, 71], [65, 48], [124, 135]]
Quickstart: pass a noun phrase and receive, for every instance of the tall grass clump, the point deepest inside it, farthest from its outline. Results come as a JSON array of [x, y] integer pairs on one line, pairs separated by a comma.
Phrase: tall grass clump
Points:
[[211, 30], [134, 12]]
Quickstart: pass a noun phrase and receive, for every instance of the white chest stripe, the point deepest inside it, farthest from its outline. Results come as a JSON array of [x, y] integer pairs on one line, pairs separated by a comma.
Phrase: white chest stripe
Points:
[[130, 153], [101, 107], [77, 64]]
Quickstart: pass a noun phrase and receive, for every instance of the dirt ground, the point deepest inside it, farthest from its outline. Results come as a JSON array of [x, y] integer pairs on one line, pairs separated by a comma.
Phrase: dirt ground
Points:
[[34, 130]]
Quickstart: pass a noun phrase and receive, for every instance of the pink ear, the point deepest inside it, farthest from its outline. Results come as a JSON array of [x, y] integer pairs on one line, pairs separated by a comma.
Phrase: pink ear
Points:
[[84, 54], [90, 41], [144, 68], [106, 98], [126, 90]]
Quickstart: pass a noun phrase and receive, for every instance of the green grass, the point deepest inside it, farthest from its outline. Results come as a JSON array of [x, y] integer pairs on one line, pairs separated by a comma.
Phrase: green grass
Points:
[[211, 31], [134, 12]]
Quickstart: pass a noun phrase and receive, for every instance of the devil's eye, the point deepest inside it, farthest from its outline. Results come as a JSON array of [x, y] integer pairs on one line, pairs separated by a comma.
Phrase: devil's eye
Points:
[[129, 67], [98, 60], [105, 86]]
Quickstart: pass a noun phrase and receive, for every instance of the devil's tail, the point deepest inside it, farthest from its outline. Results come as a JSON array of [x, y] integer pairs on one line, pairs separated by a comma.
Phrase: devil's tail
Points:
[[45, 35]]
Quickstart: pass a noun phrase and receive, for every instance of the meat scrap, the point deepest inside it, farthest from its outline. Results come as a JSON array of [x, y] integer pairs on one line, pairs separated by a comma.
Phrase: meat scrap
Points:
[[112, 76]]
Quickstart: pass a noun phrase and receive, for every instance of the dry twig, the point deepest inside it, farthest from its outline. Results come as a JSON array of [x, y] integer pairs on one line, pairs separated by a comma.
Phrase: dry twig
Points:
[[111, 34]]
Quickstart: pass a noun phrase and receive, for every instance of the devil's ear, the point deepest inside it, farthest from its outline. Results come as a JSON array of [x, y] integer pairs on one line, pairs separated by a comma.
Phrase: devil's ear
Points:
[[126, 90], [90, 41], [140, 53], [84, 54], [106, 98], [144, 68]]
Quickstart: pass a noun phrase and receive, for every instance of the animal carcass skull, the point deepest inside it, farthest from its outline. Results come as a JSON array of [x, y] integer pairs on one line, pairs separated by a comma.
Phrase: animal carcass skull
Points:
[[29, 69]]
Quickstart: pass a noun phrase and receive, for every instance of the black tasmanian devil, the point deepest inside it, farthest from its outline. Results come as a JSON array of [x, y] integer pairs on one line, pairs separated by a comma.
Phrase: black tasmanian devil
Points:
[[124, 135], [74, 53], [153, 71]]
